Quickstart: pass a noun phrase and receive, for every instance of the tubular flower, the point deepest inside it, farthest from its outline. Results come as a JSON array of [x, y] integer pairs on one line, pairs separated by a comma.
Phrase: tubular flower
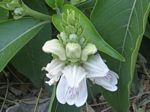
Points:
[[72, 65]]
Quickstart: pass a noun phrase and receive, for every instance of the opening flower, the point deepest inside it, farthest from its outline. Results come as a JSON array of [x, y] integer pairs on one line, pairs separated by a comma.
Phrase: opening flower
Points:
[[72, 65]]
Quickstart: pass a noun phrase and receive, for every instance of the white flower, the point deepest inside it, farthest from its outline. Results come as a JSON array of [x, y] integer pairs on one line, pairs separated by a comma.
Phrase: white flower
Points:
[[55, 47], [72, 87]]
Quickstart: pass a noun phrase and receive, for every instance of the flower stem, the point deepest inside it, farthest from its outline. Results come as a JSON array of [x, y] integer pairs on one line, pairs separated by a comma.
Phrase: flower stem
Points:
[[35, 14], [52, 99]]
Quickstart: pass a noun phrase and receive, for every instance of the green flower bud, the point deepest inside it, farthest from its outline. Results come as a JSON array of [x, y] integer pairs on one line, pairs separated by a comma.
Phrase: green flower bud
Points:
[[63, 37], [73, 38], [80, 30], [71, 22], [89, 49], [11, 5], [18, 13], [64, 18], [70, 29], [82, 41], [71, 17], [73, 50]]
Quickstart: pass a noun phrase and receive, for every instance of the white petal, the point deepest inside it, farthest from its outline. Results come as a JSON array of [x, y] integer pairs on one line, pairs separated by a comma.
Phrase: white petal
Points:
[[61, 90], [50, 82], [53, 78], [82, 97], [55, 47], [54, 70], [54, 67], [88, 50], [71, 95], [108, 82], [96, 67], [74, 74]]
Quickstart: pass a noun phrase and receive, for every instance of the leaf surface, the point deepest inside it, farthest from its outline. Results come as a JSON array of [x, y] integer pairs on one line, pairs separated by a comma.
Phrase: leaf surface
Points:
[[14, 35], [122, 24], [30, 60], [4, 14]]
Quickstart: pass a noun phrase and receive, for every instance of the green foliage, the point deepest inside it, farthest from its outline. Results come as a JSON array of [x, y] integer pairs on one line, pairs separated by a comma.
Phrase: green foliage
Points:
[[89, 32], [55, 3], [116, 28], [122, 25], [14, 35], [4, 14], [30, 60], [74, 2]]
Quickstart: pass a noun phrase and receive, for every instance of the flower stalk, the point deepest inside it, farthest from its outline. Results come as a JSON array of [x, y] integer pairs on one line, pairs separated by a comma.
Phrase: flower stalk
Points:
[[35, 14], [52, 99]]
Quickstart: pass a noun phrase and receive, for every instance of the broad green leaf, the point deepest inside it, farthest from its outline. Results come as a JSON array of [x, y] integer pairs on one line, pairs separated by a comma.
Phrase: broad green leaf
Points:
[[54, 3], [30, 60], [14, 35], [122, 24], [37, 5], [4, 14], [147, 31], [89, 32]]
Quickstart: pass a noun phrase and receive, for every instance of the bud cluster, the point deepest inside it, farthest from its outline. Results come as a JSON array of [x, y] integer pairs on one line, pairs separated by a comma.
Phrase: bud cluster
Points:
[[71, 45], [76, 48], [71, 23]]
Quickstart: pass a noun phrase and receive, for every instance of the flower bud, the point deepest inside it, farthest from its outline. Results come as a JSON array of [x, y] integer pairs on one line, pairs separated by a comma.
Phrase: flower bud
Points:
[[89, 49], [73, 38], [73, 50], [71, 17], [18, 11], [82, 41], [64, 37], [12, 4]]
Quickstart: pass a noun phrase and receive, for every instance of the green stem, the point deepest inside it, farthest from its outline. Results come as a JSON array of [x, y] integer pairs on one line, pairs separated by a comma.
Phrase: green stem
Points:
[[52, 99], [35, 14]]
